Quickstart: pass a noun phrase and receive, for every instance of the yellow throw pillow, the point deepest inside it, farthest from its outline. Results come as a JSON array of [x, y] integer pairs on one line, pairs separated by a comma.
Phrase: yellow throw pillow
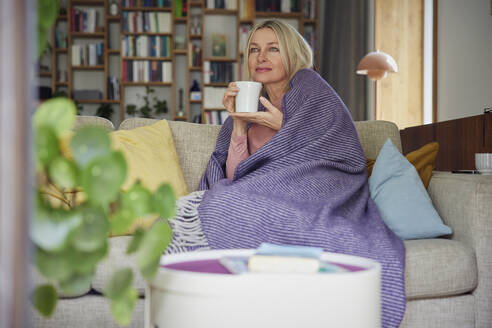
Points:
[[152, 159], [423, 159]]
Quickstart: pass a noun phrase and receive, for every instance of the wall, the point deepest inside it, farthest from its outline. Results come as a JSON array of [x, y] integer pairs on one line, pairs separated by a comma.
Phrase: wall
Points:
[[464, 58]]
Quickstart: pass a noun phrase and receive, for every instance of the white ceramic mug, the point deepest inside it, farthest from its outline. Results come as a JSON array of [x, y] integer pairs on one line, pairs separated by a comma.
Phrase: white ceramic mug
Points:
[[483, 163], [248, 96]]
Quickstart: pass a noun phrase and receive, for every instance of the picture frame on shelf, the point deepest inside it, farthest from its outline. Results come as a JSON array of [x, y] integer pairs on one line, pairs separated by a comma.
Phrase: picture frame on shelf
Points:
[[219, 45]]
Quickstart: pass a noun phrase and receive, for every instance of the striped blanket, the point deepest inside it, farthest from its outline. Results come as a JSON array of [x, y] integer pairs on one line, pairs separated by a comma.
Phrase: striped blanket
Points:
[[306, 186]]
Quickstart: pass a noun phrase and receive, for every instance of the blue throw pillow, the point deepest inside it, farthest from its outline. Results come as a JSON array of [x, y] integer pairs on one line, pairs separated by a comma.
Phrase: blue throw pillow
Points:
[[401, 197]]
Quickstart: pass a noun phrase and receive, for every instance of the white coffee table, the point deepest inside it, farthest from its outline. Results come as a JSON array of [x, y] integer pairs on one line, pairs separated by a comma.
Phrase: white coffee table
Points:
[[184, 299]]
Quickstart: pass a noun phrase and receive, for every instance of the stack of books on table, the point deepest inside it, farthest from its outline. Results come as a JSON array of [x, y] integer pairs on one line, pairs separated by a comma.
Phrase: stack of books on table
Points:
[[270, 258]]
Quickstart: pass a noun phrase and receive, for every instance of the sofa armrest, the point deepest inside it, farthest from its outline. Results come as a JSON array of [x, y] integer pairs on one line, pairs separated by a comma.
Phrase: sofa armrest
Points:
[[464, 202]]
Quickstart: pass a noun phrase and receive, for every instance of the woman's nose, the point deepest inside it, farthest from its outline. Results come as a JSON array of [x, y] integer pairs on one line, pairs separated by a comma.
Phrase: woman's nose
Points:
[[262, 56]]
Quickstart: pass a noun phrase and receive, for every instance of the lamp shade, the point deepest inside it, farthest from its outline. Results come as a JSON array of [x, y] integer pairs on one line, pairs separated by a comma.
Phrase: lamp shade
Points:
[[376, 65]]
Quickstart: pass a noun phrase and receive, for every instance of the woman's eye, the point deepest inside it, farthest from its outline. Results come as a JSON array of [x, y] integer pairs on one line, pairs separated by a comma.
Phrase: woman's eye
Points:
[[253, 50], [274, 49]]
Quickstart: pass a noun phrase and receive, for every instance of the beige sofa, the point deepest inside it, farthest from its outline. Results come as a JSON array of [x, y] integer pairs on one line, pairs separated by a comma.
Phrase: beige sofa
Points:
[[448, 280]]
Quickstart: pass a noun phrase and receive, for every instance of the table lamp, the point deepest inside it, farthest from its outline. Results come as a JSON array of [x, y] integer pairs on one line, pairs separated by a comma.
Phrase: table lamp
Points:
[[376, 65]]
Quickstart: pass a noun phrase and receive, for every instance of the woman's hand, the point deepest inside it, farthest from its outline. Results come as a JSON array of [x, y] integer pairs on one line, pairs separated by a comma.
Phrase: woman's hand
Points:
[[229, 100], [271, 117]]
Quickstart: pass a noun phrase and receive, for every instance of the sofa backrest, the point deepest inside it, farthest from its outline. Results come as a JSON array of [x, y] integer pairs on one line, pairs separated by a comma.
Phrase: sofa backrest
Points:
[[195, 142]]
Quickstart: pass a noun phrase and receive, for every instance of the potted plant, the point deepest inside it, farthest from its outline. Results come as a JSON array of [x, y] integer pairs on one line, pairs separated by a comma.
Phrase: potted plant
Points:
[[79, 202]]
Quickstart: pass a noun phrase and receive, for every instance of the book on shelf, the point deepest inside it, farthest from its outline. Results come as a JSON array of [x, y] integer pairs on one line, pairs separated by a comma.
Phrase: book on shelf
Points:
[[90, 54], [221, 4], [113, 88], [195, 58], [285, 6], [246, 9], [206, 72], [146, 46], [147, 71], [84, 20], [222, 72], [145, 21], [310, 9]]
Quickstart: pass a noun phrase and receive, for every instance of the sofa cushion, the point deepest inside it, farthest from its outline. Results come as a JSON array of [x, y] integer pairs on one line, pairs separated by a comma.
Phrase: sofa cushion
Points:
[[118, 259], [439, 267], [401, 197], [373, 134]]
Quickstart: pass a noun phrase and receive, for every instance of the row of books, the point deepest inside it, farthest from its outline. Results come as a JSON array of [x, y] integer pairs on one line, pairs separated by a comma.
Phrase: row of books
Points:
[[146, 46], [147, 71], [153, 22], [214, 72], [83, 20], [195, 58], [212, 97], [285, 6], [87, 54], [145, 3], [310, 9], [221, 4], [221, 72], [113, 88], [216, 117]]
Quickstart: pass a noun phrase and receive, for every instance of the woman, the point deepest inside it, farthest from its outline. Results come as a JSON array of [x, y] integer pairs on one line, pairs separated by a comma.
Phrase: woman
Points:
[[293, 173]]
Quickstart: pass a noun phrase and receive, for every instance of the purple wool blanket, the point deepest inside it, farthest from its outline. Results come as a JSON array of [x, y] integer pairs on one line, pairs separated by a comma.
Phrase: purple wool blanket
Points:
[[306, 186]]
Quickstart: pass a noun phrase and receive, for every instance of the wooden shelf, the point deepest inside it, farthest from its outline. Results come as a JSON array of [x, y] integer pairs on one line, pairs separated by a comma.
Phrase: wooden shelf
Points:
[[220, 11], [193, 101], [195, 4], [61, 50], [164, 84], [44, 74], [214, 109], [309, 21], [216, 84], [88, 68], [196, 36], [146, 9], [245, 21], [87, 3], [195, 68], [99, 101], [278, 14], [147, 33], [180, 19], [114, 51], [88, 35], [62, 18], [113, 18], [180, 52], [148, 58], [181, 118], [61, 83], [220, 59]]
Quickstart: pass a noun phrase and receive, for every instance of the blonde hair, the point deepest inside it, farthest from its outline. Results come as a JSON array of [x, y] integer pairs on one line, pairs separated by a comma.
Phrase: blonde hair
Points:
[[295, 52]]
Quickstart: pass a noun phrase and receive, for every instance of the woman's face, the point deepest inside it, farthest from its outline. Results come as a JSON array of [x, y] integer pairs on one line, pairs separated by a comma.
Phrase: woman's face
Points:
[[265, 63]]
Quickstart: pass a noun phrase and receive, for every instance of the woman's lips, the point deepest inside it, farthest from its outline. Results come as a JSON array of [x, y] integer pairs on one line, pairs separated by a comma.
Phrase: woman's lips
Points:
[[262, 70]]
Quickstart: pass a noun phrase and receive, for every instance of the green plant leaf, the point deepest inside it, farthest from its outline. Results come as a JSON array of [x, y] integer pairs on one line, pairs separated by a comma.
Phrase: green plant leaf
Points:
[[42, 40], [153, 245], [102, 179], [76, 284], [92, 233], [57, 113], [138, 200], [46, 144], [64, 172], [119, 284], [122, 308], [47, 11], [44, 299], [136, 241], [49, 229], [121, 221], [85, 262], [53, 265], [164, 201], [88, 143]]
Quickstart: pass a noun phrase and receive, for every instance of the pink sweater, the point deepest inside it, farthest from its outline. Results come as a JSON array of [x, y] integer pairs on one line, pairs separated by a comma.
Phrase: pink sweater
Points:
[[242, 146]]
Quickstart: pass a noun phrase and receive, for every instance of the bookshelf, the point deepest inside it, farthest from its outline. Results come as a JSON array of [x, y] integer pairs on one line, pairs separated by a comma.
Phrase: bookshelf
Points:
[[188, 59]]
